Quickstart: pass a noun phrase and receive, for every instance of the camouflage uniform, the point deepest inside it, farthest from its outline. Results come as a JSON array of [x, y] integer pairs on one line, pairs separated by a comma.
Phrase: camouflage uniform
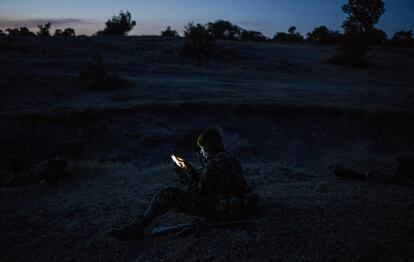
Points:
[[219, 192]]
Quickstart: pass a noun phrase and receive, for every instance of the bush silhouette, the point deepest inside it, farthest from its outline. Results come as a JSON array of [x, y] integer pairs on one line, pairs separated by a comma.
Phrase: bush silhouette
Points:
[[199, 41], [222, 29], [169, 32], [291, 36], [378, 37], [322, 35], [67, 32], [7, 43], [253, 36], [359, 29], [118, 25], [96, 76], [402, 39], [22, 31], [44, 29]]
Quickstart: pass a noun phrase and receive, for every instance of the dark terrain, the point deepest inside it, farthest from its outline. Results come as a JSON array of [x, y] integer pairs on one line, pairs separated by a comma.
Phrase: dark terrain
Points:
[[287, 113]]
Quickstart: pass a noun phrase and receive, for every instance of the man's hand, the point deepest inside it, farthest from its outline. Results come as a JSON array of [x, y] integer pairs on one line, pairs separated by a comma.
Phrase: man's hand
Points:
[[183, 164]]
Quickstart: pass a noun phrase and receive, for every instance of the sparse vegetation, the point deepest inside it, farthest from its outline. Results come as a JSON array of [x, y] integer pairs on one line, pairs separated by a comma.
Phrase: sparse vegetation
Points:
[[44, 30], [96, 76], [7, 44], [253, 36], [168, 32], [291, 36], [199, 42], [360, 33], [323, 36], [67, 32], [402, 39], [222, 29], [22, 31], [119, 25]]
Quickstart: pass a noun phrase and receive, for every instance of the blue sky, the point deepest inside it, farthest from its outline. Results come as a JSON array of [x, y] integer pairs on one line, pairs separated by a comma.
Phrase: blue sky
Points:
[[267, 16]]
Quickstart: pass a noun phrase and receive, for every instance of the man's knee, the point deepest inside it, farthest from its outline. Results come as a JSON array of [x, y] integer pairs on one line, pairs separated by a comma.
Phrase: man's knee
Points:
[[170, 196]]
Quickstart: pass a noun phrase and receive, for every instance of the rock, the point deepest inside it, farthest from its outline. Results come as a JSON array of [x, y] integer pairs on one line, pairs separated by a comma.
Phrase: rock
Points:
[[51, 171]]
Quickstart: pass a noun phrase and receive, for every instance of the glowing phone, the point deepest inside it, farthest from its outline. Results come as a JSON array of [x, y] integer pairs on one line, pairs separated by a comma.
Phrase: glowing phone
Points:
[[177, 161]]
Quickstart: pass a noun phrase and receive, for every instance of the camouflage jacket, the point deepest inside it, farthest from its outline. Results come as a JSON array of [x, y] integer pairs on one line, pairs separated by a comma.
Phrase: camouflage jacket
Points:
[[221, 177]]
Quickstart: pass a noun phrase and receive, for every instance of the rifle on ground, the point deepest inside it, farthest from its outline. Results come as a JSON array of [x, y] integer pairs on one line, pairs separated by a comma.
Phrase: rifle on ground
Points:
[[186, 228]]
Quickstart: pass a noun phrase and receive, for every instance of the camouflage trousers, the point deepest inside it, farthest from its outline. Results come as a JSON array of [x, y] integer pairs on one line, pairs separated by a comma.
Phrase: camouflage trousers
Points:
[[222, 209], [170, 198]]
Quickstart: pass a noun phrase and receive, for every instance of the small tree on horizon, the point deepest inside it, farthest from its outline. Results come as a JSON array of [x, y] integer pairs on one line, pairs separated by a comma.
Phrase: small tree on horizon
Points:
[[291, 36], [199, 42], [67, 32], [221, 29], [403, 39], [118, 25], [22, 31], [253, 36], [292, 30], [322, 35], [168, 32], [44, 30], [359, 29]]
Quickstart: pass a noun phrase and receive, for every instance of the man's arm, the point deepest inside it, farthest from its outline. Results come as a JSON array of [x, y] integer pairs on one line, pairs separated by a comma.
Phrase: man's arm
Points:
[[207, 181], [194, 174]]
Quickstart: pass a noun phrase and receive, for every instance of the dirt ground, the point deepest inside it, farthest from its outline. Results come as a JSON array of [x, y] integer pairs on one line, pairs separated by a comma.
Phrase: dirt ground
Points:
[[283, 110]]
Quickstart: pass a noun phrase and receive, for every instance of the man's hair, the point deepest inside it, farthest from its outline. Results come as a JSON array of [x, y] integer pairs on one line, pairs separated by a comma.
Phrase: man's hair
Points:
[[211, 140]]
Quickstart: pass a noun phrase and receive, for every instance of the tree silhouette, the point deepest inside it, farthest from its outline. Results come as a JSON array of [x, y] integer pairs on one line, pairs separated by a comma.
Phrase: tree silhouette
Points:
[[253, 36], [359, 29], [199, 41], [291, 36], [67, 32], [44, 29], [169, 32], [378, 36], [322, 35], [292, 30], [222, 29], [118, 25], [22, 31], [58, 32], [403, 39]]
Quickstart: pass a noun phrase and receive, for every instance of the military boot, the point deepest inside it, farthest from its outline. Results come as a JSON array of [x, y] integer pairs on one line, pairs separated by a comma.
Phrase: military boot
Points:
[[133, 232]]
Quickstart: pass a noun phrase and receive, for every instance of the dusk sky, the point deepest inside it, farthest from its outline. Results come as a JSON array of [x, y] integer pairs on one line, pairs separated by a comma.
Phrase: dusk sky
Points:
[[267, 16]]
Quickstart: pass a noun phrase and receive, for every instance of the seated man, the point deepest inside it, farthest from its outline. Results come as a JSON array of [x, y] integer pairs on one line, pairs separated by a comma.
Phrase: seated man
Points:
[[219, 192]]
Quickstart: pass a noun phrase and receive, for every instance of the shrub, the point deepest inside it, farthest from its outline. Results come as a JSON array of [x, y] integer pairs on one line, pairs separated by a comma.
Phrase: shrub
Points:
[[360, 34], [198, 41], [402, 39], [378, 37], [169, 32], [291, 36], [67, 32], [222, 29], [96, 75], [118, 25], [44, 29], [322, 35], [7, 44], [253, 36], [22, 31]]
